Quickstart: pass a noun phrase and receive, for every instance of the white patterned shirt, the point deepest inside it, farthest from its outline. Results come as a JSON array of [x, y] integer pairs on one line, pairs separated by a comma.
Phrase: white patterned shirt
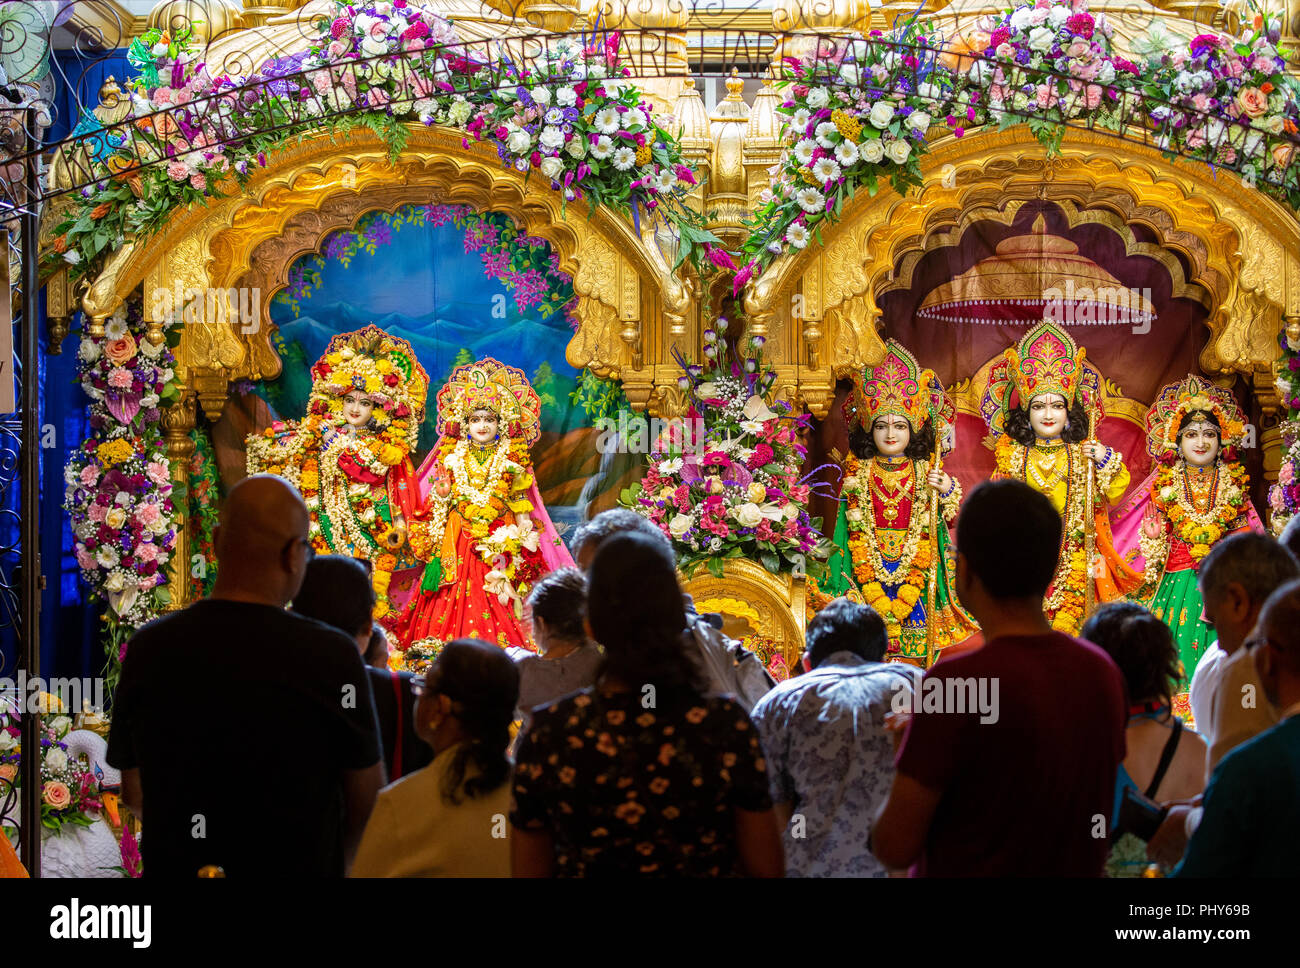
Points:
[[830, 758]]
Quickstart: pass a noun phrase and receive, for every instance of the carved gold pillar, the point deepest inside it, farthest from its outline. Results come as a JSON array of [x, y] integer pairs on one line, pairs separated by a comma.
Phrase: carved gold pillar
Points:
[[178, 421], [728, 193], [59, 307]]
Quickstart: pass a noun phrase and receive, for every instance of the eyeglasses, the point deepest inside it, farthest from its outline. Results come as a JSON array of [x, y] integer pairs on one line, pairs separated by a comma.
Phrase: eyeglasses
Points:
[[288, 546]]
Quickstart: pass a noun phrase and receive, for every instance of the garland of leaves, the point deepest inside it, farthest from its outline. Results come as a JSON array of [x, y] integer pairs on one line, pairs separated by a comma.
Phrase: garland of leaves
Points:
[[204, 495]]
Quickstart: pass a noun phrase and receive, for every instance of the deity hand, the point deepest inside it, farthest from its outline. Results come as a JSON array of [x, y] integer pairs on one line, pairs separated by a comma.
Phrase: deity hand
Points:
[[441, 483], [1152, 526], [395, 537], [1098, 451], [940, 481], [524, 520]]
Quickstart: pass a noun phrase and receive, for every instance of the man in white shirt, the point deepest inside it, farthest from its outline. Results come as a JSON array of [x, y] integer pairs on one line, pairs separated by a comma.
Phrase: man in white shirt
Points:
[[1205, 681]]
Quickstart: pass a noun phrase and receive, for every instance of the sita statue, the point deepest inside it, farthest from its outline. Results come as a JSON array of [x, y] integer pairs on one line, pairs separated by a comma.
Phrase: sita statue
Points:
[[1196, 497], [482, 526], [892, 546], [1043, 403], [350, 454]]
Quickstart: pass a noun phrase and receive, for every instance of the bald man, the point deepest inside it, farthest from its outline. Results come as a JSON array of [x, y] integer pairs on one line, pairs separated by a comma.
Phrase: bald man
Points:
[[246, 734], [1251, 824]]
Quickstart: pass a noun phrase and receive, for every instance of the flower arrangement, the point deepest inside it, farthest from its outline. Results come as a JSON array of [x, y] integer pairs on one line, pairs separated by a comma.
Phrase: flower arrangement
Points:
[[70, 793], [118, 482], [857, 111], [417, 657], [727, 484], [1284, 496], [570, 115], [204, 491]]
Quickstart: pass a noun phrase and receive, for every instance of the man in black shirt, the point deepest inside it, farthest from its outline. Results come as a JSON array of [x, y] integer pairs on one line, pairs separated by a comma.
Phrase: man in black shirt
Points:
[[246, 735]]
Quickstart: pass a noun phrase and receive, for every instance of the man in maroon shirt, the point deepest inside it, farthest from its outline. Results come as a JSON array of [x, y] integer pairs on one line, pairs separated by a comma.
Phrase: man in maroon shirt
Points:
[[1009, 762]]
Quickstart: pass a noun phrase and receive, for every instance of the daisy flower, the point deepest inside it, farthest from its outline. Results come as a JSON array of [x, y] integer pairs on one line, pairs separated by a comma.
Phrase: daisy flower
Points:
[[799, 121], [797, 235], [665, 181], [824, 131], [624, 158], [606, 120], [846, 153], [803, 152], [602, 149], [826, 170], [810, 200]]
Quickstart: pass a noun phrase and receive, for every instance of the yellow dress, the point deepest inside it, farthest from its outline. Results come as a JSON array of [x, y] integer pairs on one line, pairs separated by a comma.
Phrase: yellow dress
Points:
[[1059, 471]]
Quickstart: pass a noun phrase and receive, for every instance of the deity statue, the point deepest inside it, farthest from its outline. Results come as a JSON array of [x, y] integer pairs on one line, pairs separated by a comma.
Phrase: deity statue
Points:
[[888, 549], [350, 454], [1037, 402], [1196, 497], [481, 524]]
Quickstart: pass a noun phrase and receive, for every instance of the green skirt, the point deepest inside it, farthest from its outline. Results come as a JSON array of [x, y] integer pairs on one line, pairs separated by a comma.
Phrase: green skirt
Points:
[[1177, 602]]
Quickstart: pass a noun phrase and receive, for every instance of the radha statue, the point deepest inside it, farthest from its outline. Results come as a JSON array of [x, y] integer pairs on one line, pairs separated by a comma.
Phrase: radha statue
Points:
[[1037, 403], [888, 550], [350, 454], [481, 524], [1196, 497]]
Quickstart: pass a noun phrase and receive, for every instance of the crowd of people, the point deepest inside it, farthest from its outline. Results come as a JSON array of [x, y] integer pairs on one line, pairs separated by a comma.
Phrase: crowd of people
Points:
[[641, 740]]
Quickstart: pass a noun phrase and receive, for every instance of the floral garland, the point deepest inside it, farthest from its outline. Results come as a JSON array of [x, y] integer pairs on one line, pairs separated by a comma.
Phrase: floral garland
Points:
[[70, 794], [859, 110], [570, 116], [204, 490], [118, 482], [916, 557], [1199, 530], [1068, 588], [744, 497]]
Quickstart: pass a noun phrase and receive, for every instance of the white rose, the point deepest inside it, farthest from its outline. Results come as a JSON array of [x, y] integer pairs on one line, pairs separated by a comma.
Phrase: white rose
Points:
[[930, 91], [459, 112], [56, 759], [160, 526], [853, 515], [791, 512], [552, 137], [679, 524], [872, 151], [519, 142], [818, 98], [882, 112], [1057, 16], [850, 74], [566, 97], [115, 582], [60, 725], [552, 167], [7, 742], [373, 47], [747, 515], [1041, 39], [115, 518], [89, 351], [919, 120], [898, 151], [1020, 19], [576, 148], [542, 95]]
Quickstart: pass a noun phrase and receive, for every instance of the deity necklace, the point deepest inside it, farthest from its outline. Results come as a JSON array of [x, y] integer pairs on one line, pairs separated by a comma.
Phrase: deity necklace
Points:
[[896, 480]]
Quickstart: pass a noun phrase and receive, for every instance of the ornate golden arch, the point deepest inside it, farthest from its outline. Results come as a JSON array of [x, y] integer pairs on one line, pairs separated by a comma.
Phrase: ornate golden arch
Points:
[[830, 329], [628, 300]]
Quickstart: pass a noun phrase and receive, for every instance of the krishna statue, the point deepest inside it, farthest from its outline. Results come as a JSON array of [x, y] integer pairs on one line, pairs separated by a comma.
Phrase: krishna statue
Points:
[[350, 454], [1037, 403], [1196, 496], [481, 525], [888, 548]]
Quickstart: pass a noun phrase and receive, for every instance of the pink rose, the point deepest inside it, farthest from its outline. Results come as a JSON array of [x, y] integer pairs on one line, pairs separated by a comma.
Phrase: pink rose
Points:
[[1287, 474], [1037, 18], [56, 794], [416, 43], [85, 560], [1265, 65], [1079, 49], [149, 514], [1092, 95], [1046, 96], [177, 170], [379, 30], [1252, 101], [337, 49], [147, 551], [198, 182], [89, 475], [158, 472], [1005, 51], [162, 97], [1196, 139], [320, 80], [1201, 102], [97, 512], [378, 97], [119, 378], [1282, 155]]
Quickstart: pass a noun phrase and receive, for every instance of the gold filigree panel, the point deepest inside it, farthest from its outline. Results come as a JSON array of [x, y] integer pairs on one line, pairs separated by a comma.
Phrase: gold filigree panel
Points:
[[772, 606]]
